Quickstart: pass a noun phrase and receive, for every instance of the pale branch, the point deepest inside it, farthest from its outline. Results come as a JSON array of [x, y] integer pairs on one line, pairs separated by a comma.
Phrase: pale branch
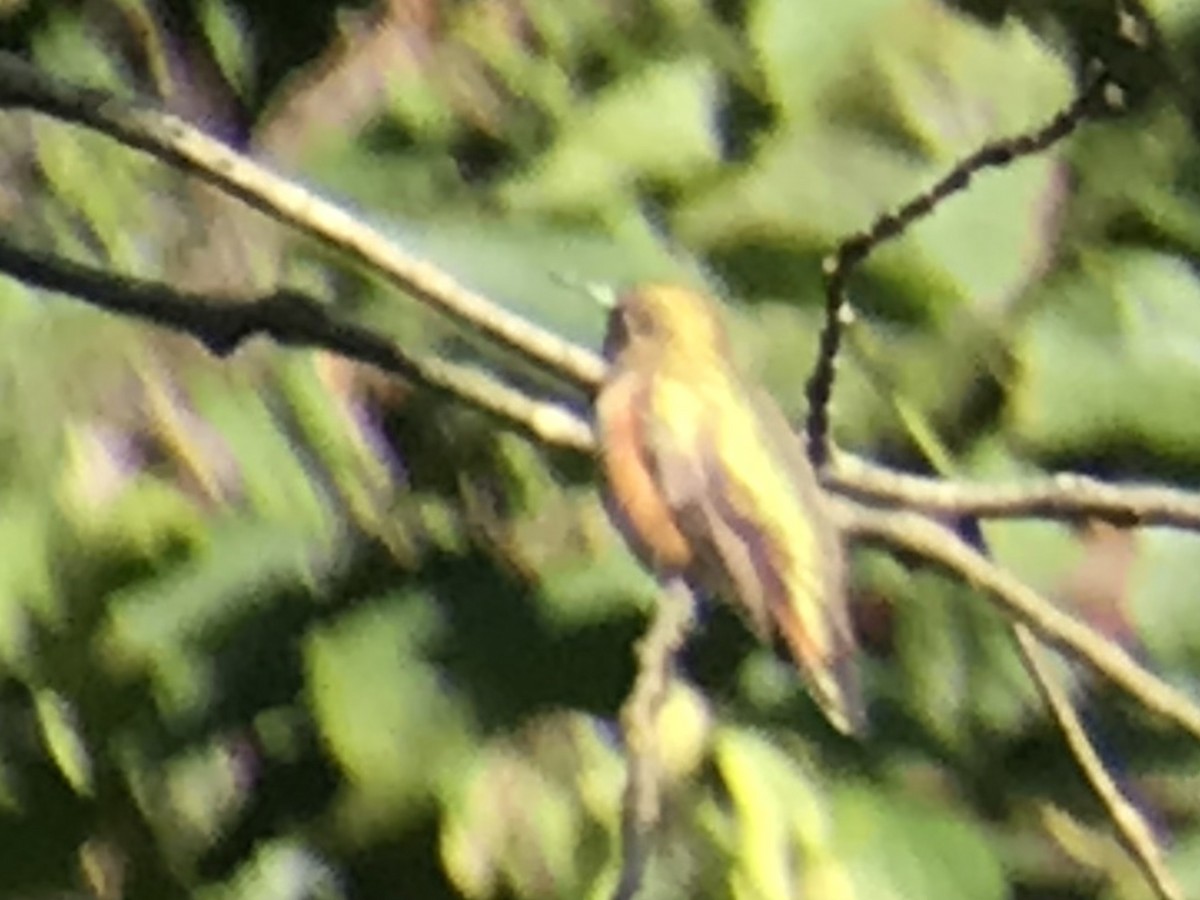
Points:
[[641, 805], [178, 144], [295, 319], [1062, 496], [1132, 828], [919, 535], [222, 323]]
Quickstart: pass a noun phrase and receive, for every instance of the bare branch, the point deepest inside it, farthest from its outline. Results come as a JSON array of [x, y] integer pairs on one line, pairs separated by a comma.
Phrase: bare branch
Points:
[[920, 535], [1064, 496], [641, 806], [1132, 829], [175, 142], [291, 318], [1131, 825], [1093, 100]]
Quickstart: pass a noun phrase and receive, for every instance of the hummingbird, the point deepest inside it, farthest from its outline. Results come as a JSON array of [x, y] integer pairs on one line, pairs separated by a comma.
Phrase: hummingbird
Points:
[[706, 481]]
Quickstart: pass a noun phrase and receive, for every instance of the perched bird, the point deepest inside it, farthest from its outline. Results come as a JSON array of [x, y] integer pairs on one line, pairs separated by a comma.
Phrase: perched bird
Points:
[[707, 481]]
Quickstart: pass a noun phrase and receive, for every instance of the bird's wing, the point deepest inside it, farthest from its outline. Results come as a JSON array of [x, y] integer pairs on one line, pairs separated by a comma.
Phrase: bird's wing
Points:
[[742, 489], [677, 423], [812, 613]]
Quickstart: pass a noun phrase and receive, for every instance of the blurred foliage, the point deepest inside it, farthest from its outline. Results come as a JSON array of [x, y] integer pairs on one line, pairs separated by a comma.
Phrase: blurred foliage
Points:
[[277, 628]]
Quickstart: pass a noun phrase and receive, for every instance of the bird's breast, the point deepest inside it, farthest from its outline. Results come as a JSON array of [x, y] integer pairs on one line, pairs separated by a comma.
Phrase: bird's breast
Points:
[[639, 506]]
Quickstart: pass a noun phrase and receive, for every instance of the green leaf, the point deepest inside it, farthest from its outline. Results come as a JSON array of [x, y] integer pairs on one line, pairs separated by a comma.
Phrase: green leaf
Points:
[[956, 668], [804, 186], [1111, 358], [1162, 596], [60, 732], [229, 36], [657, 124], [875, 123], [952, 83], [806, 46], [281, 869], [901, 847], [519, 827], [781, 811], [387, 715], [523, 265], [277, 483], [536, 813], [246, 563], [26, 572]]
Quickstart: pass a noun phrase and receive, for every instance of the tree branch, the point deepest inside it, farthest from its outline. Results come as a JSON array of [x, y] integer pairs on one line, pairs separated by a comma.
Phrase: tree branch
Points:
[[184, 147], [920, 535], [178, 144], [1095, 98], [1131, 826], [1064, 496], [642, 804], [294, 319]]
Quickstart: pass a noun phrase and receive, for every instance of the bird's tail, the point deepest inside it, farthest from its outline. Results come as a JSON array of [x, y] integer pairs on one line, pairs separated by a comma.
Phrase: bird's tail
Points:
[[829, 662]]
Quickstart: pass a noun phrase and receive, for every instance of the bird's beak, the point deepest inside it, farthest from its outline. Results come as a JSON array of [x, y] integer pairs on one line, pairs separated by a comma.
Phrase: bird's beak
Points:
[[603, 295]]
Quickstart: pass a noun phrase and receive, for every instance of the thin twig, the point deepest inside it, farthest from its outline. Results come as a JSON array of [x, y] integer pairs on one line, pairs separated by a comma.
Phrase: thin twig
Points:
[[1132, 828], [1063, 496], [175, 142], [222, 323], [918, 534], [851, 252], [642, 804], [291, 318]]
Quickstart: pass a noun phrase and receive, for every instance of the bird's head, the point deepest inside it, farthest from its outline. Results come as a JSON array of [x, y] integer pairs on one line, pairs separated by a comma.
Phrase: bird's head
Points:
[[664, 322]]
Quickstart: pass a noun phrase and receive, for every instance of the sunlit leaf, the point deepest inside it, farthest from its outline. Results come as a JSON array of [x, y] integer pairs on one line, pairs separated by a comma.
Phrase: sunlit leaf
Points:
[[657, 125], [67, 746], [389, 719], [899, 847], [1106, 337]]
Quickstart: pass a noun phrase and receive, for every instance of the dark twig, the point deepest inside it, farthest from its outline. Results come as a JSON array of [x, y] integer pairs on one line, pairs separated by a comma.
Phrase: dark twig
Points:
[[289, 318], [642, 803], [1091, 102], [1034, 620]]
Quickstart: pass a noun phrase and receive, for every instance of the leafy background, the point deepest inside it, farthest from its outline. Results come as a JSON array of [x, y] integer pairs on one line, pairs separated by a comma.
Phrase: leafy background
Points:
[[277, 628]]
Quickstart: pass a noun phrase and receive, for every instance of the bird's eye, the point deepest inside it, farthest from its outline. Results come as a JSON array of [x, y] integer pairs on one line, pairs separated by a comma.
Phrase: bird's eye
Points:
[[630, 321], [617, 336], [638, 321]]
